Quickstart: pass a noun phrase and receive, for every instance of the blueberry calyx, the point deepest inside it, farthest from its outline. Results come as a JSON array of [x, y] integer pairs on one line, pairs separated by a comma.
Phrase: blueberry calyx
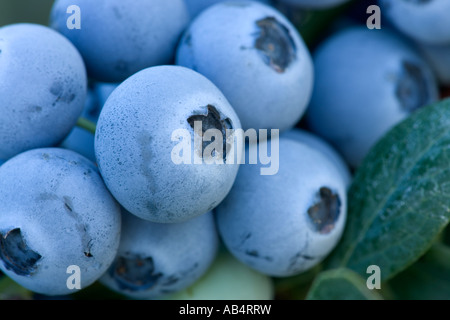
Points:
[[212, 120], [275, 44], [16, 255], [412, 90]]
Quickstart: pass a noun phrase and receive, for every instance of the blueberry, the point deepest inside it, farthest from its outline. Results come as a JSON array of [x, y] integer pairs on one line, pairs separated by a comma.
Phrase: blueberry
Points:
[[55, 212], [117, 38], [366, 82], [423, 20], [317, 143], [158, 259], [138, 131], [195, 7], [284, 224], [256, 58], [81, 141], [228, 279], [314, 4], [438, 56], [43, 88]]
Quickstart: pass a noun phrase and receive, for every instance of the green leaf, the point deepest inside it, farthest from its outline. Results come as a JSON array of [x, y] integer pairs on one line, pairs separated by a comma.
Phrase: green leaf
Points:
[[427, 279], [341, 284], [400, 197]]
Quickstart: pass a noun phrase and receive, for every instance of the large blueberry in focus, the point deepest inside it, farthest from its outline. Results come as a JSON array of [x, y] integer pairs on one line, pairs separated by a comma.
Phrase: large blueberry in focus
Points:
[[256, 57], [366, 82], [43, 87], [157, 259], [118, 38], [140, 135], [426, 21], [286, 223], [55, 213]]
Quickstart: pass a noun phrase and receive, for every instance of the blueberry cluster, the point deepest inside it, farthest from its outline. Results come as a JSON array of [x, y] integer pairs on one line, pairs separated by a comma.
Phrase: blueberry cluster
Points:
[[181, 105]]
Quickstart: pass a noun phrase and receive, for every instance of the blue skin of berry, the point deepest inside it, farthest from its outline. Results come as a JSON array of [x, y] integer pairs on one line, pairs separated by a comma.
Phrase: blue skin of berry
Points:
[[314, 4], [133, 145], [255, 57], [43, 86], [268, 222], [119, 38], [102, 92], [425, 21], [385, 80], [55, 211], [157, 259]]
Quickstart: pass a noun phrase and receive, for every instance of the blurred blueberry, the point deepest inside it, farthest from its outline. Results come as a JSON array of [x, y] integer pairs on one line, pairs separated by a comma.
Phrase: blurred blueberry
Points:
[[228, 279], [140, 126], [257, 59], [423, 20], [156, 259], [314, 4], [80, 141], [102, 92], [55, 213], [284, 224], [43, 88], [438, 56], [366, 82]]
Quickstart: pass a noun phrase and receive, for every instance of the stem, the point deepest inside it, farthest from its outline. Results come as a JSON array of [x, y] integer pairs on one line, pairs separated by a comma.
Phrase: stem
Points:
[[86, 125]]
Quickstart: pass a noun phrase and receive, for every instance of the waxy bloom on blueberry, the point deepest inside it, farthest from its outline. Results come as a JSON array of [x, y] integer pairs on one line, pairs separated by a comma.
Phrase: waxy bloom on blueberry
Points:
[[55, 212], [43, 87], [157, 259]]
